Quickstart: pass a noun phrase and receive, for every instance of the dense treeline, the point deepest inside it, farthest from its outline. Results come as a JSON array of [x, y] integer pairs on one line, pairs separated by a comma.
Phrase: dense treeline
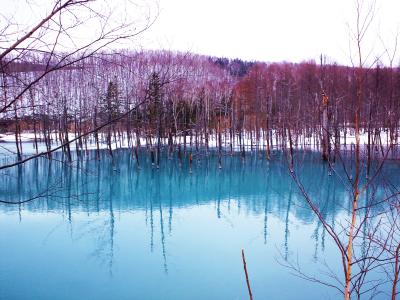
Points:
[[184, 100]]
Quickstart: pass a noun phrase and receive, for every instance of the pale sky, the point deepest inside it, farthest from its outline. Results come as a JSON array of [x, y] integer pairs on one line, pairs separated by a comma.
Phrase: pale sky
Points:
[[270, 30], [264, 30]]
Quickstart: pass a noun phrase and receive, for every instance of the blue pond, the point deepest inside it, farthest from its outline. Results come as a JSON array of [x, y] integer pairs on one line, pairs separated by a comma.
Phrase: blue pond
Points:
[[103, 230]]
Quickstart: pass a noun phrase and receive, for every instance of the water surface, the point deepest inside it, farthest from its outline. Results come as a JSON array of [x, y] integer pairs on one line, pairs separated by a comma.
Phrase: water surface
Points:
[[103, 230]]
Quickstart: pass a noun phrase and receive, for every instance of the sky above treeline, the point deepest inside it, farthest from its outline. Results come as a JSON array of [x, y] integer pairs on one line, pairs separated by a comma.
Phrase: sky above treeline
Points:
[[263, 30]]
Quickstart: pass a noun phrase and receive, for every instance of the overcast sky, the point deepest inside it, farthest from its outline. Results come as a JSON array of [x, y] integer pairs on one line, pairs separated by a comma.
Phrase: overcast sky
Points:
[[265, 30], [270, 30]]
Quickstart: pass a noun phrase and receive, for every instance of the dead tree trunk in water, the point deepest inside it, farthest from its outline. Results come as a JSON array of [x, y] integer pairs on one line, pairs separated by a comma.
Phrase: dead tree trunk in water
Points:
[[96, 135], [325, 128], [67, 148], [17, 134], [219, 145]]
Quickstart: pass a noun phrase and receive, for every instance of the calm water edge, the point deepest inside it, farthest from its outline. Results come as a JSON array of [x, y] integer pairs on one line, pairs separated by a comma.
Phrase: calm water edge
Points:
[[105, 230]]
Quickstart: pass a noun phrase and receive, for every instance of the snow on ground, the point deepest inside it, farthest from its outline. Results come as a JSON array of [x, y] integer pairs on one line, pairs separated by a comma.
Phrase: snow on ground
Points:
[[8, 148]]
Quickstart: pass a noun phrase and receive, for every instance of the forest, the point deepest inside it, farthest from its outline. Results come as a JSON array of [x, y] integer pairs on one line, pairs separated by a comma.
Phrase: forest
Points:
[[183, 100]]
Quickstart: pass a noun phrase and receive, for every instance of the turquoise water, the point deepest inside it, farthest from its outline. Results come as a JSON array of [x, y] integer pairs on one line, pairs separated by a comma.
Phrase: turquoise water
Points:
[[110, 231]]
